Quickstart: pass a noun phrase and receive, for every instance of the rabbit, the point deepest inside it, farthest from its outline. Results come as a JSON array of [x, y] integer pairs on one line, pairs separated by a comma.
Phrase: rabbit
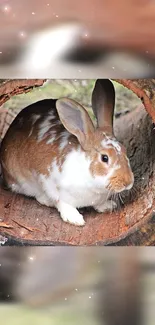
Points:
[[53, 152]]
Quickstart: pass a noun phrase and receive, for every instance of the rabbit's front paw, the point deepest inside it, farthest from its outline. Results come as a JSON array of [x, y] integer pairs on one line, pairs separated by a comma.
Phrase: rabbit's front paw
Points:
[[107, 206], [70, 214]]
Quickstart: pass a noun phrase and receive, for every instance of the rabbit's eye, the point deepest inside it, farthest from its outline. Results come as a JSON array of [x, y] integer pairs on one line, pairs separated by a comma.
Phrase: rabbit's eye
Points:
[[104, 158]]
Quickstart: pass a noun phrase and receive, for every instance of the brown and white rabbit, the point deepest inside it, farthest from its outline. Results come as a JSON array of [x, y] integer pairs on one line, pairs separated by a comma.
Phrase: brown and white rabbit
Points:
[[53, 152]]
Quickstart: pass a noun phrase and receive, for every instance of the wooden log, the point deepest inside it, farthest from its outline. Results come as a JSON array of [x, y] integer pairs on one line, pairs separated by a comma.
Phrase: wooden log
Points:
[[27, 222], [9, 88]]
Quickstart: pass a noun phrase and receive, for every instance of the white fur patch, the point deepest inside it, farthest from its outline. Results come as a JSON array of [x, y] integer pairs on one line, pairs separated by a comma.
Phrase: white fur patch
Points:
[[51, 115], [51, 140], [52, 137], [64, 139], [50, 182], [70, 214], [78, 185], [44, 200], [128, 161], [28, 187], [104, 181], [44, 127], [34, 119], [110, 142], [31, 131], [15, 188], [74, 185], [105, 206]]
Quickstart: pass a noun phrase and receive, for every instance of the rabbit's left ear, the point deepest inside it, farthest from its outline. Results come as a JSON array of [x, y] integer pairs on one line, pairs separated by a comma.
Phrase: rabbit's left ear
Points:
[[75, 119]]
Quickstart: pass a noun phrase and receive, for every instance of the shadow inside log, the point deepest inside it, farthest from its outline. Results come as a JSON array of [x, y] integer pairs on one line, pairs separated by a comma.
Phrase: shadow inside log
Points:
[[25, 222]]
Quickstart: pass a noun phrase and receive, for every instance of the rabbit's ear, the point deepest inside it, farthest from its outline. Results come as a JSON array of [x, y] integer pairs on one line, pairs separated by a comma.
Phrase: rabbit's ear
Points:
[[103, 103], [75, 119]]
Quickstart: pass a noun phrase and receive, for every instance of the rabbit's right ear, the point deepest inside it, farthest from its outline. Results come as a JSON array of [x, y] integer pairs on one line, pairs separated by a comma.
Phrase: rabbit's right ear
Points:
[[75, 119], [103, 103]]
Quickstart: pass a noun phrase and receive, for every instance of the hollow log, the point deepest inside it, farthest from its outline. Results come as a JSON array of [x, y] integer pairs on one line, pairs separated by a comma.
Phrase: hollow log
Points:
[[24, 221]]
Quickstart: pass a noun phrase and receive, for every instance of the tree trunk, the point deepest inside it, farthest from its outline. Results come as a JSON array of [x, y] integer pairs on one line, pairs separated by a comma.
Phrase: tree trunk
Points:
[[25, 221]]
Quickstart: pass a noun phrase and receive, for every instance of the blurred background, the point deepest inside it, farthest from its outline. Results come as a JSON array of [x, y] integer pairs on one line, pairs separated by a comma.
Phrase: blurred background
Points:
[[76, 39], [78, 89], [61, 285]]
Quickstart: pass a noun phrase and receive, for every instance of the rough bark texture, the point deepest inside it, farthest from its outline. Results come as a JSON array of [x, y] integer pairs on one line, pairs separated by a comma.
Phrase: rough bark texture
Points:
[[26, 221], [9, 88], [145, 90]]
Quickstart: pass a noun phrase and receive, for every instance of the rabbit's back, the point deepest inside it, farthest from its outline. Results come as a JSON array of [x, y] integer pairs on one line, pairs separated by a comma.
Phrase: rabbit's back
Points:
[[35, 139]]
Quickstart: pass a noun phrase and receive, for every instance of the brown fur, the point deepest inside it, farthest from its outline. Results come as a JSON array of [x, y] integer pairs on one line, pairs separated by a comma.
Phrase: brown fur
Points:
[[21, 141], [20, 145], [121, 177]]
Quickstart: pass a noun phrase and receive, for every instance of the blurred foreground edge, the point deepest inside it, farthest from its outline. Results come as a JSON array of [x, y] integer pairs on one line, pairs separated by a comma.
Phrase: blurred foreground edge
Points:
[[68, 39]]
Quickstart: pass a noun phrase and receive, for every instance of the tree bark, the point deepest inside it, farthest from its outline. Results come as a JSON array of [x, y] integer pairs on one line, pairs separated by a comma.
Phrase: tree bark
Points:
[[145, 90], [9, 88], [25, 221]]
